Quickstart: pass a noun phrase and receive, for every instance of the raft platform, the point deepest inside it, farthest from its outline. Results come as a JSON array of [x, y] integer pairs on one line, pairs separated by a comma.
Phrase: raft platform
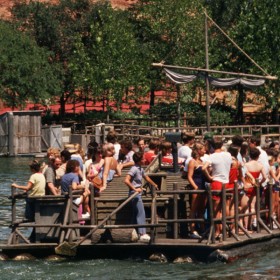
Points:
[[172, 249], [108, 233]]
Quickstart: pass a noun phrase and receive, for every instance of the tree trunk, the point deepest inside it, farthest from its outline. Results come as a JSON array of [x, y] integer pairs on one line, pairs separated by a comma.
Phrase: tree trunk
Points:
[[62, 107], [239, 119], [152, 96], [178, 121], [275, 114], [107, 109]]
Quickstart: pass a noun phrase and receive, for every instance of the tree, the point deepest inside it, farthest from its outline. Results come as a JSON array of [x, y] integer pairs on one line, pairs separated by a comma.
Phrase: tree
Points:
[[25, 71], [108, 61], [172, 32], [259, 32], [54, 27], [254, 27]]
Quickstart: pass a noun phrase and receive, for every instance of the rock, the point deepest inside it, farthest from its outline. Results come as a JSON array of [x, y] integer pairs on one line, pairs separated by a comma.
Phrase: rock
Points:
[[55, 258], [186, 259], [24, 257], [3, 257], [158, 257], [218, 255]]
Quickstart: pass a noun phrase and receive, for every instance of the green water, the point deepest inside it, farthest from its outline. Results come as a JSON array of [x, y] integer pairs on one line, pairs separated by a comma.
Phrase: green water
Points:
[[261, 265]]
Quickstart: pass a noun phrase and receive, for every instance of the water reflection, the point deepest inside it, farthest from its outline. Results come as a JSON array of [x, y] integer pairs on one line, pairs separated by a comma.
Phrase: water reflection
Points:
[[12, 170]]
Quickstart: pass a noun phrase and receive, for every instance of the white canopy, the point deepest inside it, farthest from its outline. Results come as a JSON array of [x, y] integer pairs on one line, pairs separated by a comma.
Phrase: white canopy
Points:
[[216, 82]]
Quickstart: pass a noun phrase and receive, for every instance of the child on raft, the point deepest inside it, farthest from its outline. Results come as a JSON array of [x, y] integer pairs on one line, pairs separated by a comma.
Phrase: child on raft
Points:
[[133, 180]]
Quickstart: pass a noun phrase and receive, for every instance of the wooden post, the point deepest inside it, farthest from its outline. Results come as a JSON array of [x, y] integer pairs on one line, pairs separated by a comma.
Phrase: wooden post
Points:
[[92, 205], [211, 217], [224, 213], [13, 205], [206, 77], [65, 220], [270, 205], [258, 212], [175, 211], [12, 238], [258, 207], [71, 213], [11, 146], [153, 214], [236, 210]]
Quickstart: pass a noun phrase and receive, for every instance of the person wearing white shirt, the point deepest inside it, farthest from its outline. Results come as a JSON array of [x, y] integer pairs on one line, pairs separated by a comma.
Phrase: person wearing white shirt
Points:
[[263, 158], [185, 150], [220, 162]]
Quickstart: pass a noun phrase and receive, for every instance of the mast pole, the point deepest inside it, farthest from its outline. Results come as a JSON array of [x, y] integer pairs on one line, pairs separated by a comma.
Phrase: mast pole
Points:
[[207, 77]]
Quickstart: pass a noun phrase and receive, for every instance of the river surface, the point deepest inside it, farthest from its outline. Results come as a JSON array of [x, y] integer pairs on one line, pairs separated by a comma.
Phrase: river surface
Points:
[[261, 265]]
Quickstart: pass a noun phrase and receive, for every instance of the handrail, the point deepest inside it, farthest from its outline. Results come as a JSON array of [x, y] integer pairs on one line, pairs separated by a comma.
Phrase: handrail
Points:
[[229, 223], [105, 219]]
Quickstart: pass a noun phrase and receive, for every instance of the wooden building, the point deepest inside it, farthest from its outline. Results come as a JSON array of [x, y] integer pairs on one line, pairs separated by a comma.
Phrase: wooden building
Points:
[[20, 133]]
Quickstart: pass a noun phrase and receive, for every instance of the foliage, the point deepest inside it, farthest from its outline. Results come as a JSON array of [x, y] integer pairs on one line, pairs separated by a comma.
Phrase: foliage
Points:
[[107, 54], [54, 27], [196, 113], [25, 71], [108, 60]]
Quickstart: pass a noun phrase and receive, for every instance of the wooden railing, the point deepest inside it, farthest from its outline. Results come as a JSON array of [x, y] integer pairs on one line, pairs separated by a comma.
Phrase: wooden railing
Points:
[[230, 224], [266, 132]]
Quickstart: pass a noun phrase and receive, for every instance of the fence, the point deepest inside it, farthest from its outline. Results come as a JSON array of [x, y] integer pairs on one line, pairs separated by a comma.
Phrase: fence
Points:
[[265, 132]]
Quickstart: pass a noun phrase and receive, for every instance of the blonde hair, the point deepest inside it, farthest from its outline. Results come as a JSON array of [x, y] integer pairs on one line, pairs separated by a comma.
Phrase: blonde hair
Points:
[[54, 152], [75, 148], [108, 150], [196, 147]]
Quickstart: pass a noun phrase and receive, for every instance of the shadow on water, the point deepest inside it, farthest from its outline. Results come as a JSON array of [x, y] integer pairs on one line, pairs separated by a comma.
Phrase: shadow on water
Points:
[[261, 265]]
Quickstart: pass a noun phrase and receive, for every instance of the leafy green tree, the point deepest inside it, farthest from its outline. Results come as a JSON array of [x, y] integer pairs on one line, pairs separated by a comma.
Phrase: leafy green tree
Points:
[[25, 71], [55, 27], [254, 26], [259, 32], [108, 61], [171, 32]]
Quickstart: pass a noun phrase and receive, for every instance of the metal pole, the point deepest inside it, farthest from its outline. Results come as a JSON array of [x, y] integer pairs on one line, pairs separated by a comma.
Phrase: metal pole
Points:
[[206, 76]]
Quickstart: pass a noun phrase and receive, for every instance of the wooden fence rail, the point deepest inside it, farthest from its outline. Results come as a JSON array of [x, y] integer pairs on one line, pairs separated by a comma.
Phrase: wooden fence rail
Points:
[[266, 132]]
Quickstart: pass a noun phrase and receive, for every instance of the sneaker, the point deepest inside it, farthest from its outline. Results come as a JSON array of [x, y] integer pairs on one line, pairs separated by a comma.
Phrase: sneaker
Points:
[[274, 225], [86, 215], [254, 224], [77, 201], [195, 235], [145, 237]]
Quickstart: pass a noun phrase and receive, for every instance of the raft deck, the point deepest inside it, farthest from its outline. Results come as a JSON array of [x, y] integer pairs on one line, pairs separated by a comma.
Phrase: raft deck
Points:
[[57, 220]]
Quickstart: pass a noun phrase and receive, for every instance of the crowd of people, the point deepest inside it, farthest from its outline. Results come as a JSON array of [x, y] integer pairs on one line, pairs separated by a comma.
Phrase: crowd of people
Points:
[[215, 164], [210, 163]]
